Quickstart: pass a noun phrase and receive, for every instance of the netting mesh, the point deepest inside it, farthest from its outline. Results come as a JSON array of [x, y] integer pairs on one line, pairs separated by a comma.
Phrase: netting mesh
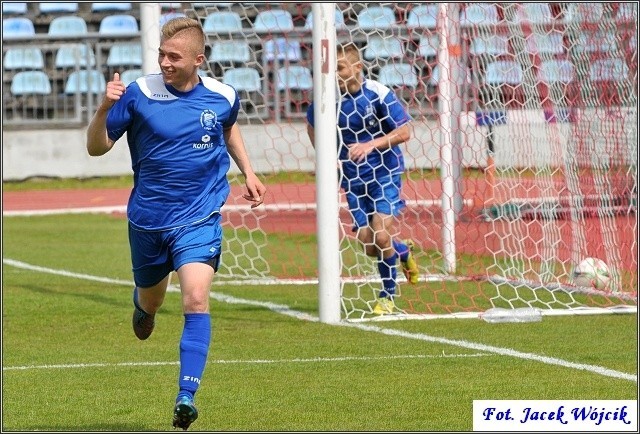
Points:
[[545, 146]]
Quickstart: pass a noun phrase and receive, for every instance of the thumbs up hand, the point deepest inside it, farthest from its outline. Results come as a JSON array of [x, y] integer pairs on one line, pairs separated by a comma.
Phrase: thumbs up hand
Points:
[[115, 90]]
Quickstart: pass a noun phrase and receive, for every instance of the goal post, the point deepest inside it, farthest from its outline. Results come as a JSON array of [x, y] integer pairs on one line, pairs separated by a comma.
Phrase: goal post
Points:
[[324, 94], [522, 162]]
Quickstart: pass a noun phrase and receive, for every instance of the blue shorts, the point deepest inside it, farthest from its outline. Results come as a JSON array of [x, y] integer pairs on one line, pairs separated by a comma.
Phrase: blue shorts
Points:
[[155, 254], [378, 196]]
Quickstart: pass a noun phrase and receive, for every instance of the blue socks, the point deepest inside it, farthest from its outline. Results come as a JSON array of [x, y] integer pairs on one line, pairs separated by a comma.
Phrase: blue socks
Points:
[[388, 273], [194, 347], [402, 249]]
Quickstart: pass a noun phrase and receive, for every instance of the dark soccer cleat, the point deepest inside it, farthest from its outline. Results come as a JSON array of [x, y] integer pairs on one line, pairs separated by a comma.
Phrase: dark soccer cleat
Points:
[[143, 322], [185, 413]]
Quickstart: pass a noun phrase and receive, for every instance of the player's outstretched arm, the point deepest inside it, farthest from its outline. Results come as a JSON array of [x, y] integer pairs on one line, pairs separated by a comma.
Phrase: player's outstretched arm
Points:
[[98, 142], [235, 146]]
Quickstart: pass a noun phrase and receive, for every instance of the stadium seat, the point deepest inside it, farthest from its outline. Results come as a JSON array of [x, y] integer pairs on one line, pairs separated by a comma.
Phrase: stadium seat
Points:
[[339, 20], [609, 70], [67, 25], [222, 21], [627, 12], [549, 43], [383, 47], [490, 45], [504, 84], [14, 8], [602, 41], [479, 14], [398, 74], [170, 6], [17, 27], [429, 45], [56, 8], [434, 77], [273, 20], [130, 75], [504, 72], [230, 51], [556, 71], [295, 77], [108, 7], [243, 79], [423, 16], [584, 12], [282, 49], [537, 13], [68, 56], [212, 5], [169, 16], [376, 18], [23, 58], [85, 81], [125, 53], [30, 82], [118, 25]]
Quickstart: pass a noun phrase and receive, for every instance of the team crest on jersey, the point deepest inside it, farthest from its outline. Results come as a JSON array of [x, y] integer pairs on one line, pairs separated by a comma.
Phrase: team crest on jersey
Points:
[[369, 116], [208, 120]]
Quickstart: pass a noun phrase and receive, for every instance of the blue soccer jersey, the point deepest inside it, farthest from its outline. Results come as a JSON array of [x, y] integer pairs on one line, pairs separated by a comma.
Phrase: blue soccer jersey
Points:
[[371, 112], [178, 152]]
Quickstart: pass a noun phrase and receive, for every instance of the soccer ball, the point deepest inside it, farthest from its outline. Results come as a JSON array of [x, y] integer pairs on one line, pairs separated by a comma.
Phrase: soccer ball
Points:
[[591, 273]]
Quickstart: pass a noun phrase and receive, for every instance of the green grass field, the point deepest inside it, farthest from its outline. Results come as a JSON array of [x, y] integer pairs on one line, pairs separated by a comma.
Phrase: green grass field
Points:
[[72, 363]]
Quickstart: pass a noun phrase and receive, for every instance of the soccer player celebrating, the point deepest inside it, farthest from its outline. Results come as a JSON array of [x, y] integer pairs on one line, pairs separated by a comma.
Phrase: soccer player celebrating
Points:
[[181, 130], [371, 125]]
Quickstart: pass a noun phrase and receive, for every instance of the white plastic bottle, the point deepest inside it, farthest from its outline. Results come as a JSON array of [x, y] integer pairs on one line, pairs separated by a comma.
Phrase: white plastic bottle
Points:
[[521, 314]]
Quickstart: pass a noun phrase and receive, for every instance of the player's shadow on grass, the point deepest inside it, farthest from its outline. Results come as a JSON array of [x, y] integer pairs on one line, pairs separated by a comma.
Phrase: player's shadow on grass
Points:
[[92, 296]]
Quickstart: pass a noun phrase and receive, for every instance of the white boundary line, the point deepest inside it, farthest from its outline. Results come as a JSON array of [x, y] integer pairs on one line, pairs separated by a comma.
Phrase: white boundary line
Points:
[[286, 310]]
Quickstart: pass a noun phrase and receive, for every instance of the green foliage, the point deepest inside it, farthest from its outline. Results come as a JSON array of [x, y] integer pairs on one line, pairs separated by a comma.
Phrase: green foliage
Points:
[[85, 371]]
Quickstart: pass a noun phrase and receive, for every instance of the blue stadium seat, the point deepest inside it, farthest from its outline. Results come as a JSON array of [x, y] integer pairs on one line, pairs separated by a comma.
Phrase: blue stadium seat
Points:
[[222, 22], [108, 7], [603, 41], [434, 77], [339, 20], [125, 53], [23, 58], [556, 71], [489, 45], [68, 56], [537, 13], [30, 82], [423, 16], [67, 25], [295, 77], [243, 79], [169, 16], [398, 74], [130, 75], [230, 51], [274, 20], [504, 72], [550, 43], [479, 14], [85, 81], [119, 25], [609, 70], [17, 27], [626, 12], [376, 18], [584, 12], [14, 8], [170, 6], [383, 47], [212, 4], [58, 7], [428, 45], [282, 49]]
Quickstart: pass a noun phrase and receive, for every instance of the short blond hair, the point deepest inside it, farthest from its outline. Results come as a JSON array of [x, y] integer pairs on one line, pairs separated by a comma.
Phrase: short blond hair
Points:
[[191, 28], [351, 50]]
